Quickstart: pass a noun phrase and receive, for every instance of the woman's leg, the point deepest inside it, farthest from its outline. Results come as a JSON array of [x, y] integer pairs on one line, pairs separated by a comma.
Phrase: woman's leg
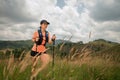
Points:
[[45, 59]]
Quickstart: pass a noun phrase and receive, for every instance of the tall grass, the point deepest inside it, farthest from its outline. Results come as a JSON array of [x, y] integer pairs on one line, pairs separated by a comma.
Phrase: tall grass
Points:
[[86, 68]]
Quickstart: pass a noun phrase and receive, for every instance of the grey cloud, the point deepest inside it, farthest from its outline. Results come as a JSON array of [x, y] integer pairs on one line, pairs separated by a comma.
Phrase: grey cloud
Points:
[[17, 31], [105, 11], [14, 11], [108, 26], [14, 20], [107, 35], [108, 30]]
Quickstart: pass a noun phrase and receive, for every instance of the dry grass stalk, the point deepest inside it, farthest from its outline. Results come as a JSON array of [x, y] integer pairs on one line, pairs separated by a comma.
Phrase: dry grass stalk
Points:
[[20, 58], [10, 62], [72, 49], [25, 62], [90, 35], [74, 55], [71, 52], [9, 69], [4, 71], [61, 47], [63, 43]]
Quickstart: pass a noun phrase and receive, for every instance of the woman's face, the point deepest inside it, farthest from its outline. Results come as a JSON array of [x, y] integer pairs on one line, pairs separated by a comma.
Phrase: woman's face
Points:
[[44, 26]]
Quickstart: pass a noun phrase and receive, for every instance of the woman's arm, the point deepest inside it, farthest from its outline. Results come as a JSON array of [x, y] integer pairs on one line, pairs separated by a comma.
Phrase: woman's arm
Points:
[[35, 36]]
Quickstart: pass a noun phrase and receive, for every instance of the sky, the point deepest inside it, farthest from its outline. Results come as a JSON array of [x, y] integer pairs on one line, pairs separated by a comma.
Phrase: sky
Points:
[[84, 20]]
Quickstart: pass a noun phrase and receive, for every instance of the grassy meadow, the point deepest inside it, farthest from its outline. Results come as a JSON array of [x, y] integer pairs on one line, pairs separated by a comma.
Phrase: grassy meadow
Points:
[[83, 64], [86, 68]]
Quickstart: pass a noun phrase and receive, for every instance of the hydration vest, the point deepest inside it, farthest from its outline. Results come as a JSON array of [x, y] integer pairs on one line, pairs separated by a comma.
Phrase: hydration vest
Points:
[[39, 42]]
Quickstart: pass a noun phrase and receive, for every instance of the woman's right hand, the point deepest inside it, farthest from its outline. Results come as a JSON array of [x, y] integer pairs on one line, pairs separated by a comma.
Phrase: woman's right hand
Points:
[[36, 39]]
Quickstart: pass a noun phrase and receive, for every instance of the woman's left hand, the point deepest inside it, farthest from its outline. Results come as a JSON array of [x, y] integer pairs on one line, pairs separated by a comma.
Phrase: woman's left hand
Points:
[[53, 37]]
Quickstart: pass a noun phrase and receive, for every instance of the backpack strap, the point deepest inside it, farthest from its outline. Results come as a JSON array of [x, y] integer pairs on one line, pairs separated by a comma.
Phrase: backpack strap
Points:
[[41, 37]]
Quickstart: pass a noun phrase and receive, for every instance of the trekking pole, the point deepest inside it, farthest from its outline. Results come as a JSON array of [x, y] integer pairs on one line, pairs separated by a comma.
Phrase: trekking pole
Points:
[[53, 53]]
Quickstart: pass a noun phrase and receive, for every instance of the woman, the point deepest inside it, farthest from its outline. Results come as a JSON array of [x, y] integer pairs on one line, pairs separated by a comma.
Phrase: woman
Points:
[[40, 38]]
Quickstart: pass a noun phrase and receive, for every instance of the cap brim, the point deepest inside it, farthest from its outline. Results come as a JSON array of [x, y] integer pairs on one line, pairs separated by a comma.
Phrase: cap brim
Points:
[[44, 21], [48, 23]]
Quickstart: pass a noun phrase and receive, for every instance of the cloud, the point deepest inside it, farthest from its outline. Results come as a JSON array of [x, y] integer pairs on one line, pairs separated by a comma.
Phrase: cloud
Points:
[[17, 31], [14, 11], [106, 10], [76, 18], [107, 30]]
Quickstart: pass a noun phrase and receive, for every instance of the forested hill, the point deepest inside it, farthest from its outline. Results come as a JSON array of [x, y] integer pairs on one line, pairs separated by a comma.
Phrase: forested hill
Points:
[[15, 44], [98, 47], [19, 44], [29, 43]]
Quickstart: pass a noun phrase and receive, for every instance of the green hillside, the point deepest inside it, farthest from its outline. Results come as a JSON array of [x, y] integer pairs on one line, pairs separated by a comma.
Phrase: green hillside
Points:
[[112, 53], [93, 48], [15, 44], [66, 48], [96, 46], [19, 44]]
